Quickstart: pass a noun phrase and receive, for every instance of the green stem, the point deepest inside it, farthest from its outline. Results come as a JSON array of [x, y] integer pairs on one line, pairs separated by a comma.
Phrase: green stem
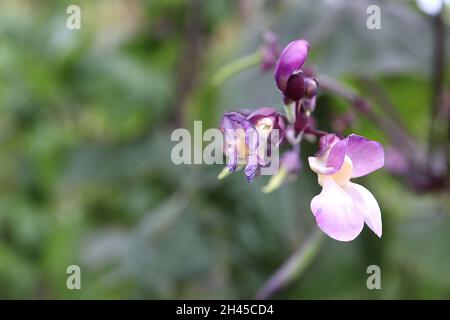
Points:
[[232, 68], [290, 113]]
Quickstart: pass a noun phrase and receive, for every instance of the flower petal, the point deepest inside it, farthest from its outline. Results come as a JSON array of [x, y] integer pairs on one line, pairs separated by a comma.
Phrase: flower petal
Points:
[[250, 171], [261, 113], [291, 160], [291, 59], [336, 156], [276, 118], [318, 165], [366, 155], [234, 120], [367, 205], [331, 161], [295, 86], [232, 158], [335, 213], [326, 142]]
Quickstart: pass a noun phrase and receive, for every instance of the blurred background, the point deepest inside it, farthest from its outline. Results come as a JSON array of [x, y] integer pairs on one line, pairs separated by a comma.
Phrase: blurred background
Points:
[[86, 176]]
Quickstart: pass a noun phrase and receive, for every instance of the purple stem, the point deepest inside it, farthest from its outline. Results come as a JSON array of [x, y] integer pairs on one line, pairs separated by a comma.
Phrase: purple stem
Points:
[[293, 266], [399, 138], [438, 75]]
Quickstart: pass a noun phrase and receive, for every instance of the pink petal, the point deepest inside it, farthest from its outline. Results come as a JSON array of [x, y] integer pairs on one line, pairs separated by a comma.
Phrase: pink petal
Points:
[[337, 155], [367, 205], [331, 155], [326, 142], [335, 213], [366, 155]]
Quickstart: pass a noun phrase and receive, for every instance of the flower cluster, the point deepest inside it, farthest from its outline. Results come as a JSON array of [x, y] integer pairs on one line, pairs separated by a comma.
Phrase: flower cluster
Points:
[[251, 137]]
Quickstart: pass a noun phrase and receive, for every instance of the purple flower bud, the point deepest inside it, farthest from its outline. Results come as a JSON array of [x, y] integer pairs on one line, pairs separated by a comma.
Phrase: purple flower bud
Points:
[[311, 87], [295, 87], [291, 161], [291, 59], [362, 105], [343, 121], [310, 93], [396, 162], [309, 104], [270, 51]]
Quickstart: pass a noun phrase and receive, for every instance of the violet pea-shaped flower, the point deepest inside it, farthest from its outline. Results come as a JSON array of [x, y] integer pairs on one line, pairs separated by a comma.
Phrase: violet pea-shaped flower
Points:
[[265, 120], [342, 208], [288, 76], [248, 138]]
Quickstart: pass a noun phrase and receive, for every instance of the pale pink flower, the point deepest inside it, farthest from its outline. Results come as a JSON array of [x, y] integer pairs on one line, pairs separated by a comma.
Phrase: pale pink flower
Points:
[[342, 208]]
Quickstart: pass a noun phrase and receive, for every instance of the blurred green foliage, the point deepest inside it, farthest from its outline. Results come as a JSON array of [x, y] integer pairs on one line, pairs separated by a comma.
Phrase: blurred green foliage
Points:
[[86, 176]]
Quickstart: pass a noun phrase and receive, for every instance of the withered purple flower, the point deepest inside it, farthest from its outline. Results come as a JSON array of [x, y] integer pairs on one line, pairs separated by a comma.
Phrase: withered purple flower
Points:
[[248, 138]]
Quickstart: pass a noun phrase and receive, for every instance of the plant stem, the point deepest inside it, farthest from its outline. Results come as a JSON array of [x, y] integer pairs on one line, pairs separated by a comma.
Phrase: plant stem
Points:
[[294, 266], [188, 72], [230, 69], [438, 74], [317, 133], [379, 94], [398, 137]]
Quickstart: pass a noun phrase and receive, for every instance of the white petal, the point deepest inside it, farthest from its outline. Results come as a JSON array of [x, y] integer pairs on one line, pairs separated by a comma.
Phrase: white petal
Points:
[[366, 203], [335, 212], [319, 165]]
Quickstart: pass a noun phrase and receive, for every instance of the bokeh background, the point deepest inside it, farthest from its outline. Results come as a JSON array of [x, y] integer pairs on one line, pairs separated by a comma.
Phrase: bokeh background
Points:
[[86, 176]]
